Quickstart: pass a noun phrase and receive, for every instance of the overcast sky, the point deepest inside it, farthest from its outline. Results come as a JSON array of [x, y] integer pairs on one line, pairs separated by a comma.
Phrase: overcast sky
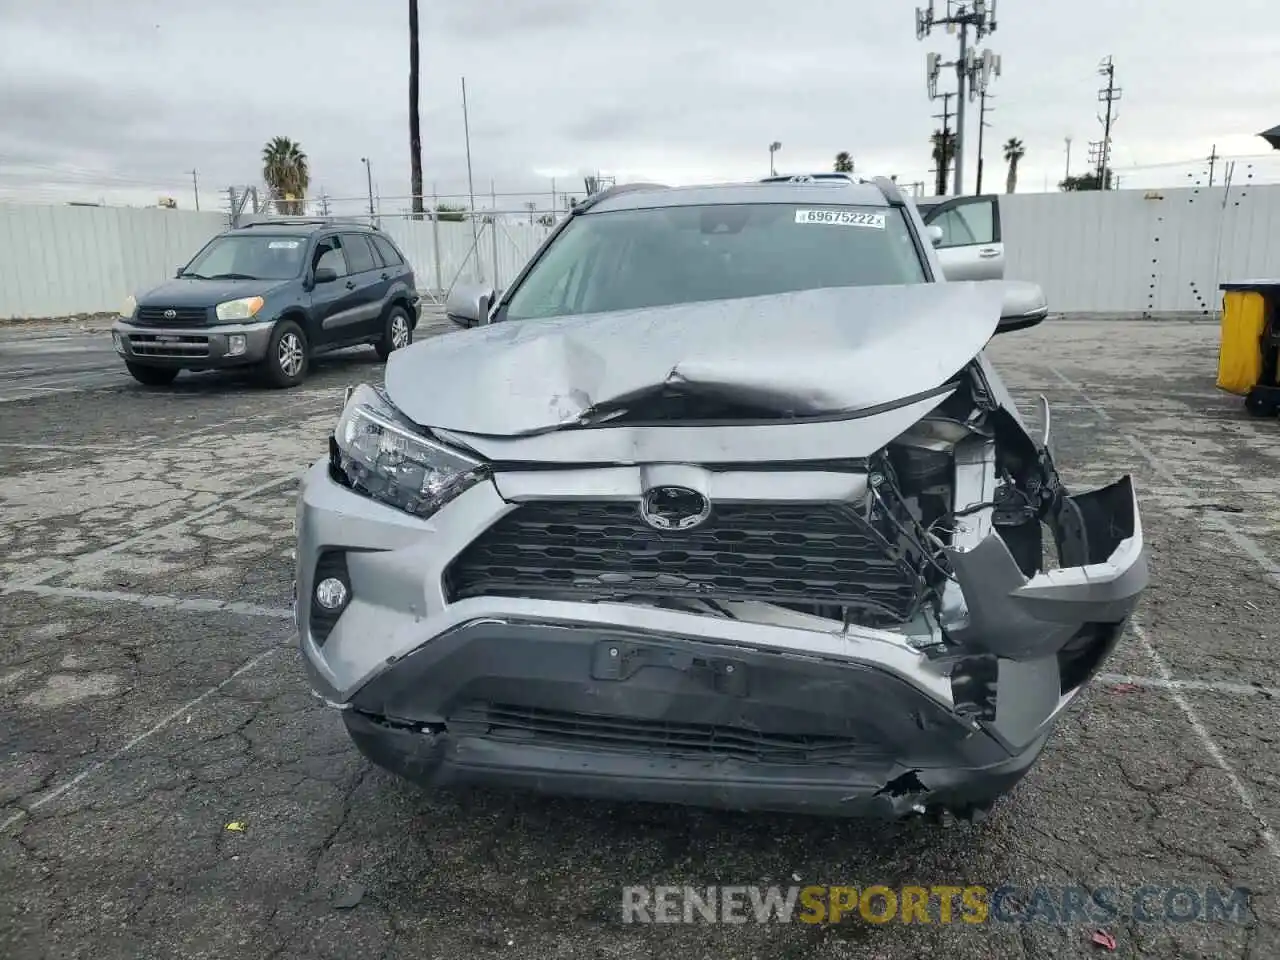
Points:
[[121, 100]]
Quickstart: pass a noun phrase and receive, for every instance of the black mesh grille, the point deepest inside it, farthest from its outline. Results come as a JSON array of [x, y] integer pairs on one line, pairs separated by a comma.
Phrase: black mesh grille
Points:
[[810, 554], [182, 316], [557, 727]]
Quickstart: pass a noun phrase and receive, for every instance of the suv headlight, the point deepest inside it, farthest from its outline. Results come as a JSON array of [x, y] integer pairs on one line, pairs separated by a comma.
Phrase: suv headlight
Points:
[[129, 307], [383, 455], [242, 309]]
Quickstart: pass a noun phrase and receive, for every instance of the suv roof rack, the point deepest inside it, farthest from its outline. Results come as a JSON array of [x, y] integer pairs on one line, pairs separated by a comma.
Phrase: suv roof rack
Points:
[[621, 188], [308, 221], [888, 189]]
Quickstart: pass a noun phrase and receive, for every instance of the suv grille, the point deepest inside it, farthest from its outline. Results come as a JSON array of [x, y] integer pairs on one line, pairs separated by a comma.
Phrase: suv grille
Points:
[[785, 553], [536, 725], [183, 317]]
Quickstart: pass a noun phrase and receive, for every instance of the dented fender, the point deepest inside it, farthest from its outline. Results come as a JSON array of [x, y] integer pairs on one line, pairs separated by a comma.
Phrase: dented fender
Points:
[[1017, 617]]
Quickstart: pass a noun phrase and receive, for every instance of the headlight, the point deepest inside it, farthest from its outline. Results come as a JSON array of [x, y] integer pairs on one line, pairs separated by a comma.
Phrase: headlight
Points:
[[241, 309], [384, 456], [130, 305]]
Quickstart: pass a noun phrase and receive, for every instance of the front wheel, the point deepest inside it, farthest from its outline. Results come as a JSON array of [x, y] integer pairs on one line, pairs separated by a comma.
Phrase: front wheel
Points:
[[285, 364], [152, 376], [397, 333]]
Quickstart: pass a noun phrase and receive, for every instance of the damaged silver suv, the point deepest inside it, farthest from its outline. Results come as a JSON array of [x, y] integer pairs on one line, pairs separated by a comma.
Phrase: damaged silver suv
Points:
[[721, 503]]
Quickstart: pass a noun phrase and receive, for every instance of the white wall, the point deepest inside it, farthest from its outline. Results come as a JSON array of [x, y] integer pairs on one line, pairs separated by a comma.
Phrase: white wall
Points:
[[1119, 252], [60, 260], [1145, 253]]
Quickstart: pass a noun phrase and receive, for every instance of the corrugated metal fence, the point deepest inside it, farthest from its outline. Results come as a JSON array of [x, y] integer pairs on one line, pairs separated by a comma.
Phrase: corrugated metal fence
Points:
[[1131, 252]]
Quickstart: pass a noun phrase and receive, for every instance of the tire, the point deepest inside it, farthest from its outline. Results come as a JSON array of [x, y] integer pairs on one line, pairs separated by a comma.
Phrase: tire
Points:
[[152, 376], [396, 334], [1259, 404], [288, 356]]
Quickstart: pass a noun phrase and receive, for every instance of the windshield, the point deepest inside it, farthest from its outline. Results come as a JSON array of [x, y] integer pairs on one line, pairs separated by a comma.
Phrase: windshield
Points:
[[630, 259], [249, 257]]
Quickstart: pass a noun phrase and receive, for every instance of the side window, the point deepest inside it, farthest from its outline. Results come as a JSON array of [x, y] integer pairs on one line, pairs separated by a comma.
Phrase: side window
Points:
[[388, 252], [329, 254], [967, 223], [359, 256]]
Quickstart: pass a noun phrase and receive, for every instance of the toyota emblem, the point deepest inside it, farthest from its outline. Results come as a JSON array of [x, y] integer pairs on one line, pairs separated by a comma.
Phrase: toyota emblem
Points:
[[674, 508], [170, 314]]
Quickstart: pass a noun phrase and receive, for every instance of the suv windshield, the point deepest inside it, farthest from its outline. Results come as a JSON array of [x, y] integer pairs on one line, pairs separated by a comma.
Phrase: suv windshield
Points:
[[630, 259], [249, 257]]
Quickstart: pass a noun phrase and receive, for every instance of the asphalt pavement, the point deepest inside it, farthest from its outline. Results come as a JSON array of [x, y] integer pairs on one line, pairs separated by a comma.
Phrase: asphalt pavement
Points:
[[170, 788]]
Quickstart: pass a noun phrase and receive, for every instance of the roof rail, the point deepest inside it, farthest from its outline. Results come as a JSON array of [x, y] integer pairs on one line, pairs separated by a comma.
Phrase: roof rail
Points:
[[809, 177], [621, 188], [889, 190], [304, 221]]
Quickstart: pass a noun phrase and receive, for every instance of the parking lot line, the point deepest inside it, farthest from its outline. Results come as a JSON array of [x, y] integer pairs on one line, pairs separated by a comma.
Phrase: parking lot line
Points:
[[93, 768], [1246, 543], [157, 601], [1206, 686]]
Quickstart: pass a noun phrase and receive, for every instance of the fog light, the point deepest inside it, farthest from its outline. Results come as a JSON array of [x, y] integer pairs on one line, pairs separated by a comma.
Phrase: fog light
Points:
[[331, 593], [235, 344], [117, 341]]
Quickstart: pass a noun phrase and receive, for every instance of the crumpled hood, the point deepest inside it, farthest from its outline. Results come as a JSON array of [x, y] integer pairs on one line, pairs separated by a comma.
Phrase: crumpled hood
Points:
[[812, 353]]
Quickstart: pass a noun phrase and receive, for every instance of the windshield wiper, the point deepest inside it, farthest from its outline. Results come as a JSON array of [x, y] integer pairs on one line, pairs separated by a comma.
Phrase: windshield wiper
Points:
[[194, 276], [231, 276]]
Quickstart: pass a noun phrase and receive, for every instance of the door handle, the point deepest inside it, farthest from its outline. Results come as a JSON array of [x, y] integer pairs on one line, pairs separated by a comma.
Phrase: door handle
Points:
[[988, 253], [386, 276], [351, 284]]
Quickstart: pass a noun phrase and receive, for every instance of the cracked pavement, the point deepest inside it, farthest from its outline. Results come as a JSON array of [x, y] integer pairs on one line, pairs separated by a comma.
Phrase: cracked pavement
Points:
[[150, 695]]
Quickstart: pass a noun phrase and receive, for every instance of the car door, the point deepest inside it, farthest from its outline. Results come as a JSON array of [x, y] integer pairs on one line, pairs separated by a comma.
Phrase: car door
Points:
[[332, 301], [971, 247], [371, 285]]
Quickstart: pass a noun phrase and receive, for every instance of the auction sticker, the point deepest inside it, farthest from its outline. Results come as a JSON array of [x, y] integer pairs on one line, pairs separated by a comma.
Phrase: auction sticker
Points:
[[283, 245], [843, 218]]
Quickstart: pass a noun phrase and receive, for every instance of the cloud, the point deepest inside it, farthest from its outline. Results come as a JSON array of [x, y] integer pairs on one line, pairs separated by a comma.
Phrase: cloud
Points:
[[140, 94]]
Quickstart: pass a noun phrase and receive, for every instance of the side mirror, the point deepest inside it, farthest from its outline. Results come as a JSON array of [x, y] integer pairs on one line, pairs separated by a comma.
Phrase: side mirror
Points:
[[468, 304], [935, 234], [325, 275], [177, 273], [1024, 306]]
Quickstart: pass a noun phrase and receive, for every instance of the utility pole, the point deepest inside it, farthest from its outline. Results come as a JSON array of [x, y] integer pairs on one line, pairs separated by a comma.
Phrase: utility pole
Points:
[[471, 186], [945, 148], [773, 148], [982, 125], [368, 172], [1067, 174], [195, 187], [1213, 160], [1108, 95], [973, 71]]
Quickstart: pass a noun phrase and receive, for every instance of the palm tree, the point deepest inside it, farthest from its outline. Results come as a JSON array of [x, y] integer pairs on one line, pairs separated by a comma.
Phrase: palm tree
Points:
[[844, 162], [284, 168], [415, 132], [944, 150], [1013, 152]]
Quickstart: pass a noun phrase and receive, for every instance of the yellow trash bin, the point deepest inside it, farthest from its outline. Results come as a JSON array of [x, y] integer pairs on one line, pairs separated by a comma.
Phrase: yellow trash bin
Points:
[[1244, 319]]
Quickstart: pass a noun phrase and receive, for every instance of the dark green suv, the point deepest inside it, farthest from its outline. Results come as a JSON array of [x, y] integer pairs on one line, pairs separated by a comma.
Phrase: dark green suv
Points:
[[271, 295]]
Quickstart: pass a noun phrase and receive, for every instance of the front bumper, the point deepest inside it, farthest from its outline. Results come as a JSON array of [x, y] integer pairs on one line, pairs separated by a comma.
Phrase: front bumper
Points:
[[191, 348], [518, 691], [625, 716]]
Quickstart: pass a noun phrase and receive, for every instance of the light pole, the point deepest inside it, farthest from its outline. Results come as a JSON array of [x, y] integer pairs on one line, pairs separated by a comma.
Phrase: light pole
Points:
[[368, 172], [773, 148]]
